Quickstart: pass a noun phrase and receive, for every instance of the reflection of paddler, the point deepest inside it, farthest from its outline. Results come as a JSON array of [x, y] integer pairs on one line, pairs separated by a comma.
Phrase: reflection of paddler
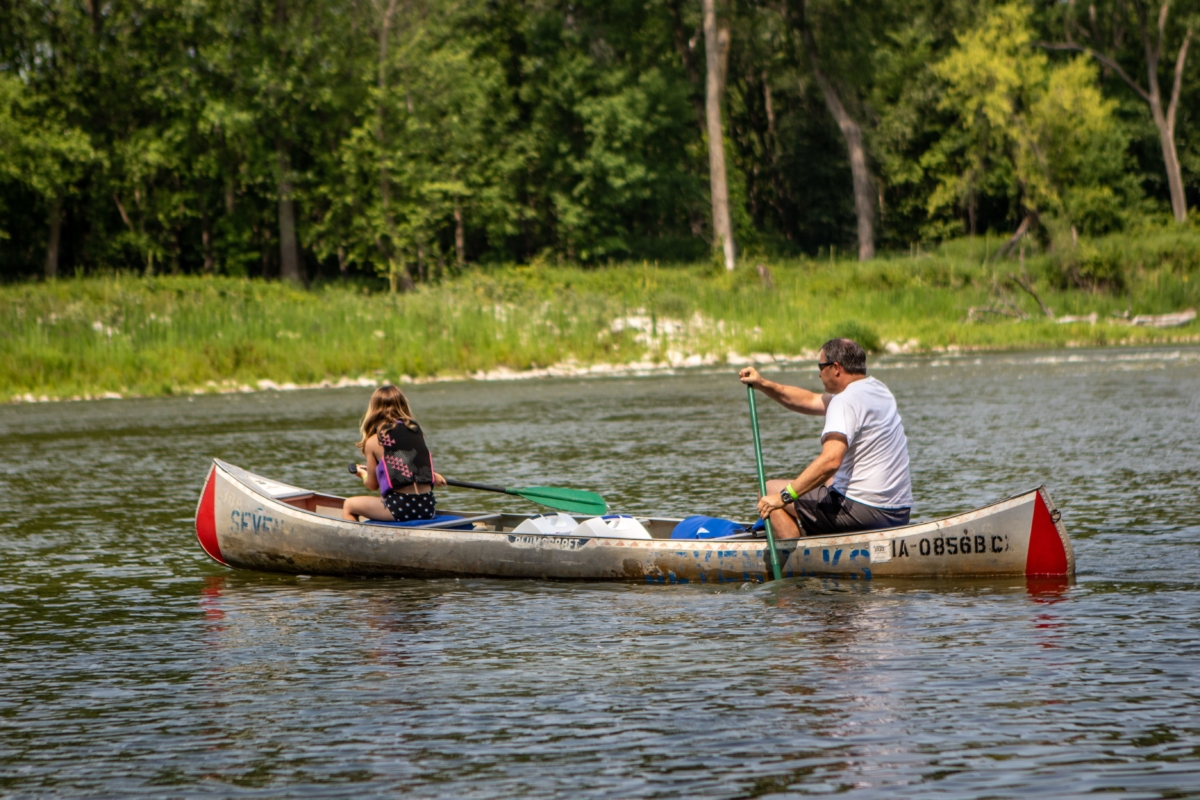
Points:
[[860, 480], [399, 465]]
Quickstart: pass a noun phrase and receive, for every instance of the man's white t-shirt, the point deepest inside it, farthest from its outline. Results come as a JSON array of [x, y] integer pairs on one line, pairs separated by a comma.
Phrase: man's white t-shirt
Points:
[[875, 469]]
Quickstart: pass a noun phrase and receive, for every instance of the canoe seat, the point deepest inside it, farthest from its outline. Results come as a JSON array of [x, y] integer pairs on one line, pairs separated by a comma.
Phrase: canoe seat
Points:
[[431, 522]]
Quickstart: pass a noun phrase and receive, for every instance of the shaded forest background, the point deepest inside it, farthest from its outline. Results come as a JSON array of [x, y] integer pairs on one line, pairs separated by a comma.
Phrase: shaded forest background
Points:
[[309, 139]]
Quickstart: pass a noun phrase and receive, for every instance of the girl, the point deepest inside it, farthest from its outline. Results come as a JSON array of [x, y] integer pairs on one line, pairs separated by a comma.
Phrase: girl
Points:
[[399, 465]]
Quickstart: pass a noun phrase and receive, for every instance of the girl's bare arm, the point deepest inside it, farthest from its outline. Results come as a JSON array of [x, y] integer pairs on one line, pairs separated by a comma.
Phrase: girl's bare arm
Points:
[[373, 452]]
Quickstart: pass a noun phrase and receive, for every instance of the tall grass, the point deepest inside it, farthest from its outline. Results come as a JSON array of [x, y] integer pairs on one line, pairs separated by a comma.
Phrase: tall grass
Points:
[[176, 334]]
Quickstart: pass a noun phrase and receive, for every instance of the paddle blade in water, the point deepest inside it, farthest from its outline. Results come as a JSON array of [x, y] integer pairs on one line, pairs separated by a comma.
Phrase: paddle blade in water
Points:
[[572, 500]]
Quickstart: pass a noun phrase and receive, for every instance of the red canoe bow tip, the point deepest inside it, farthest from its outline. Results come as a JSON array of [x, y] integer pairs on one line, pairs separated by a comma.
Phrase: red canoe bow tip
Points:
[[206, 519], [1047, 555]]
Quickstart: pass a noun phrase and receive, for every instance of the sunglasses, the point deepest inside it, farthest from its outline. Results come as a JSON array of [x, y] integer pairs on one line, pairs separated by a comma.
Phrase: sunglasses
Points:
[[823, 364]]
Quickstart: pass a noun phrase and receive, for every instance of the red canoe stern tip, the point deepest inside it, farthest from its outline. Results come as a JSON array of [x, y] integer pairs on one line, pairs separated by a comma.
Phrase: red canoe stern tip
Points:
[[206, 520], [1047, 554]]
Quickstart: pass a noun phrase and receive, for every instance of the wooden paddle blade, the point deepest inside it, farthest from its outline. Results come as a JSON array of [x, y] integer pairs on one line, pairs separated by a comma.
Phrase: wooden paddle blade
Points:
[[572, 500]]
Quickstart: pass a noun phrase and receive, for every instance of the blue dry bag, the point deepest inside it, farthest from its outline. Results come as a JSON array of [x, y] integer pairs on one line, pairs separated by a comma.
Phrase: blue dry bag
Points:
[[699, 527]]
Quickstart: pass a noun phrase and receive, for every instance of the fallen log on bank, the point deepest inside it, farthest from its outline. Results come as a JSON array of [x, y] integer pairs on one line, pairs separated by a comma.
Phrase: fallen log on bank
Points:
[[1174, 320]]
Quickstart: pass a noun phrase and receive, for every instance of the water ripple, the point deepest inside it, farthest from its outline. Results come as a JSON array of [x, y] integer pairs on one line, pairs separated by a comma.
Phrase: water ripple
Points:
[[134, 667]]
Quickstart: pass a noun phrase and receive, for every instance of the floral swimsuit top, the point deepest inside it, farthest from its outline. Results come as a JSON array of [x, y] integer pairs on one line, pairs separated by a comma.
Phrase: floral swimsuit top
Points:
[[406, 459]]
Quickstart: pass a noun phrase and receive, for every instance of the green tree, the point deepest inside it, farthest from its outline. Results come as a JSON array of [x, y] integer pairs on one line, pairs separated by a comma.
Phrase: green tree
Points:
[[428, 151], [1106, 30], [288, 64], [43, 152], [1040, 134]]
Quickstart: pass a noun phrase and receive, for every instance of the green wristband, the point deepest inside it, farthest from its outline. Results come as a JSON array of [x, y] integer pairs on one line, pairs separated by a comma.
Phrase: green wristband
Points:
[[791, 492]]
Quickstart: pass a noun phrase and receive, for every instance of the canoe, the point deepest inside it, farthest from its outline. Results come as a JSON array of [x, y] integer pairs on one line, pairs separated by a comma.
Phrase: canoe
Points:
[[247, 521]]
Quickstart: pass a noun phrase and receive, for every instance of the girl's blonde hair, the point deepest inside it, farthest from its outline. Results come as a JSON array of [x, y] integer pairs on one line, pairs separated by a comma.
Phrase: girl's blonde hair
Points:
[[387, 407]]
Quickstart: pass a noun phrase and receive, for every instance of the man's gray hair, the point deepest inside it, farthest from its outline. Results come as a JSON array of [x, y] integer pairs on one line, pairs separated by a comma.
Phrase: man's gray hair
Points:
[[848, 353]]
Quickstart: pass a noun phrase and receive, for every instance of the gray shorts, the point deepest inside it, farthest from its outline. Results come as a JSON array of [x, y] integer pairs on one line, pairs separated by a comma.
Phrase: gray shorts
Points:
[[823, 511]]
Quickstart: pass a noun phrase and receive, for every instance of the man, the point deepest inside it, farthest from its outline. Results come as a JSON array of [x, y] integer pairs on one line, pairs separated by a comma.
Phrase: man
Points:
[[863, 450]]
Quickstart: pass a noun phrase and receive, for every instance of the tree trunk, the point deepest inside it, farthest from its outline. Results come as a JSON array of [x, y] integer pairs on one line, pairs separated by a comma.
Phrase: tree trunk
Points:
[[460, 237], [93, 9], [398, 278], [385, 186], [769, 106], [713, 85], [176, 249], [1166, 138], [684, 48], [289, 252], [261, 237], [864, 195], [52, 243], [206, 240], [1165, 122]]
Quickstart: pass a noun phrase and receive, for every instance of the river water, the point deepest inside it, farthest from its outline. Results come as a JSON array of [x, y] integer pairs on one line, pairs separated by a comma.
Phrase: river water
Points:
[[133, 666]]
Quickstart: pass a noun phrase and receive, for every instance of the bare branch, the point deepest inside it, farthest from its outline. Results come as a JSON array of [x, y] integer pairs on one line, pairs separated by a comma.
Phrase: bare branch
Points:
[[121, 208], [1025, 283], [1002, 299], [1103, 59]]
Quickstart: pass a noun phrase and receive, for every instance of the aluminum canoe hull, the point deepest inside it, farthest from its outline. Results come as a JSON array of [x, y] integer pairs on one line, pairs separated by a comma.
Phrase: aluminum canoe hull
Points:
[[250, 522]]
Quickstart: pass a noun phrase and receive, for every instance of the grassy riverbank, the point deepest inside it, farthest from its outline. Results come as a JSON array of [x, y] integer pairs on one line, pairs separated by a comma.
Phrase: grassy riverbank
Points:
[[129, 335]]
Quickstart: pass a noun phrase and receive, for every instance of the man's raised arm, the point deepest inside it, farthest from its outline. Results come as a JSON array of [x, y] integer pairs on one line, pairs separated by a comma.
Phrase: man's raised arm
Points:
[[790, 397]]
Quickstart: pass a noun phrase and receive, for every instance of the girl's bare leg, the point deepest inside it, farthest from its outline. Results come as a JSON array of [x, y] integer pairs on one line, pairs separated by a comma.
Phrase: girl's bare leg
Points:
[[371, 507]]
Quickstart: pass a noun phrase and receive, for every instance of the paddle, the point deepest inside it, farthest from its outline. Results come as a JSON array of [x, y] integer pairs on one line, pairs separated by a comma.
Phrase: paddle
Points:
[[762, 481], [573, 500]]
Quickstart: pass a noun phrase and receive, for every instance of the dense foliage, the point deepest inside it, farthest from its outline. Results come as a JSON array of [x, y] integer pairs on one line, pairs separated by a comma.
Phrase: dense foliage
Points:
[[410, 137]]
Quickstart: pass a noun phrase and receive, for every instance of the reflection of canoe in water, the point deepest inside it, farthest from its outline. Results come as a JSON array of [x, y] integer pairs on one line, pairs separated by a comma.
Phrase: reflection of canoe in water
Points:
[[247, 521]]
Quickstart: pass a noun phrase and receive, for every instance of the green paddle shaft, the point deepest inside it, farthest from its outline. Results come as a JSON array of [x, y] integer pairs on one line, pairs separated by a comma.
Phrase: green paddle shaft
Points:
[[762, 481], [573, 500]]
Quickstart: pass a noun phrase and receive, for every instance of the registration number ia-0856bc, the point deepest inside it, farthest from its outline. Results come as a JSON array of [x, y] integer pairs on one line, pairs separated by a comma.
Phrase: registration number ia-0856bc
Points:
[[950, 544]]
